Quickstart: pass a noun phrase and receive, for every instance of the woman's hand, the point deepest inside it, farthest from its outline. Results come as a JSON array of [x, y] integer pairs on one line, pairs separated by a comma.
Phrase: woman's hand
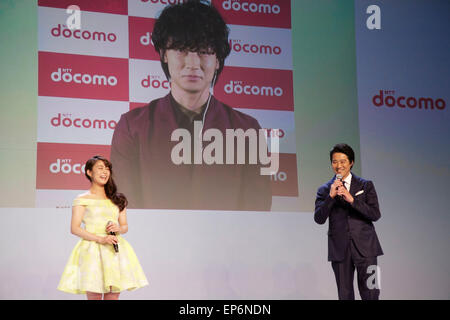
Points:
[[112, 228], [108, 240]]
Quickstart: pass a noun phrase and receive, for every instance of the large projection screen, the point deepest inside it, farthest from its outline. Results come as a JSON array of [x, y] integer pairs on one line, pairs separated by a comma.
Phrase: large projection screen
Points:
[[373, 74]]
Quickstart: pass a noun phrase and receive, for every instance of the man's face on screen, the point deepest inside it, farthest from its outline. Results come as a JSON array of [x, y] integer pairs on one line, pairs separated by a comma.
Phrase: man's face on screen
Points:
[[341, 164], [191, 72]]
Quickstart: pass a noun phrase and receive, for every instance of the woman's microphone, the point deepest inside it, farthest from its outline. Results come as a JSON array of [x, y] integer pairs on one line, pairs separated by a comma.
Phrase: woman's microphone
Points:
[[115, 245]]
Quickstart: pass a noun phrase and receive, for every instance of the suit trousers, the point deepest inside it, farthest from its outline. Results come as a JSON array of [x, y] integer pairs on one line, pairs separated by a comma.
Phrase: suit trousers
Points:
[[344, 272]]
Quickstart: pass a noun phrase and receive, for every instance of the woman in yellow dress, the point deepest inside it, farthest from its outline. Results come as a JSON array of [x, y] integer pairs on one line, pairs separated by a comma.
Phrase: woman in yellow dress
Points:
[[94, 267]]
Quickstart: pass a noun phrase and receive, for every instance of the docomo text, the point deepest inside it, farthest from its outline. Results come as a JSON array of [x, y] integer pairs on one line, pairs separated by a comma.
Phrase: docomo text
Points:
[[213, 152], [67, 121], [236, 5], [65, 32], [279, 176], [65, 74], [238, 46], [249, 6], [146, 39], [386, 97], [164, 1], [66, 166], [239, 87], [275, 132], [155, 82]]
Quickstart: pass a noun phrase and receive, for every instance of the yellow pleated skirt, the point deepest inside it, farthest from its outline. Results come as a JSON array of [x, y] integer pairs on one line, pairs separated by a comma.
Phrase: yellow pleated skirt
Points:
[[98, 268]]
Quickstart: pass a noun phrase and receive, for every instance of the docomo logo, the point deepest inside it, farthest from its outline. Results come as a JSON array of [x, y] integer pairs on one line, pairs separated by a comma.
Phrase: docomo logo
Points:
[[65, 166], [254, 48], [86, 34], [275, 133], [279, 176], [251, 7], [411, 102], [66, 76], [155, 83], [67, 122], [238, 87], [164, 1], [146, 39]]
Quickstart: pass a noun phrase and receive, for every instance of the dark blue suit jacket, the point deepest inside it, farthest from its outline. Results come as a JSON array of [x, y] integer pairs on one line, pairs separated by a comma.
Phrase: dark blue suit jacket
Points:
[[350, 221]]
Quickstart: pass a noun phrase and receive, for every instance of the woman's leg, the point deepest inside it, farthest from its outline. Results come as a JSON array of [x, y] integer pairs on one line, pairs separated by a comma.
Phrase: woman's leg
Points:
[[112, 295], [93, 295]]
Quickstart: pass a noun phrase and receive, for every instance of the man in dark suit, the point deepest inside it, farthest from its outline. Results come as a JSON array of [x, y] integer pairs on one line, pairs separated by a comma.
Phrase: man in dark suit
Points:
[[351, 205]]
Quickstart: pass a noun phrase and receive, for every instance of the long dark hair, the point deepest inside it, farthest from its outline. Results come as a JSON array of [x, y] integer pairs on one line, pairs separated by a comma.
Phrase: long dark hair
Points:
[[117, 198]]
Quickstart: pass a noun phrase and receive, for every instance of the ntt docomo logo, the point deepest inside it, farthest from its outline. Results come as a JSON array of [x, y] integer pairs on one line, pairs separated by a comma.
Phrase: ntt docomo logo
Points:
[[146, 39], [62, 30], [253, 7], [96, 79], [275, 133], [155, 82], [164, 1], [66, 166], [387, 98], [238, 87], [279, 176], [65, 120], [238, 46]]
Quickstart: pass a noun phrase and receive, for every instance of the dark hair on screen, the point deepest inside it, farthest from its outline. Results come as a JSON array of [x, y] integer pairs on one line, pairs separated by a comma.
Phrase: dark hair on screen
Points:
[[118, 199], [193, 25], [345, 149]]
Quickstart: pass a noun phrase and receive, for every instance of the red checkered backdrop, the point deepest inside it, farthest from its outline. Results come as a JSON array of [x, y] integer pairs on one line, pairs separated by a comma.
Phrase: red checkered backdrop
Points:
[[88, 77]]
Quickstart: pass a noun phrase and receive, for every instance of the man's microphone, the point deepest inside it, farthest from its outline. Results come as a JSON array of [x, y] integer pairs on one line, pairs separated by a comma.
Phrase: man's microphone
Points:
[[115, 245], [339, 177]]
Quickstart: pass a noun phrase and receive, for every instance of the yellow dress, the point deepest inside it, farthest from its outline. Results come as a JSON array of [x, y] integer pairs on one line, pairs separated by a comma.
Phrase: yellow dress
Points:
[[96, 267]]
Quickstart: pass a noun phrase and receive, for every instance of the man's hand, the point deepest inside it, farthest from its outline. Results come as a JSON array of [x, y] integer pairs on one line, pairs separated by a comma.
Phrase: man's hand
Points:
[[334, 188], [345, 194]]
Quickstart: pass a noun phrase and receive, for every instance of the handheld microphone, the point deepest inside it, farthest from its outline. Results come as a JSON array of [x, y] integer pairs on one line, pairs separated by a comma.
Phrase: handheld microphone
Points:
[[115, 245], [339, 177]]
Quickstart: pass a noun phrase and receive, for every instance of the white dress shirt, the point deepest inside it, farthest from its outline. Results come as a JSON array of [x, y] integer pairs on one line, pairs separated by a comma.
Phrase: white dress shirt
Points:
[[347, 181]]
